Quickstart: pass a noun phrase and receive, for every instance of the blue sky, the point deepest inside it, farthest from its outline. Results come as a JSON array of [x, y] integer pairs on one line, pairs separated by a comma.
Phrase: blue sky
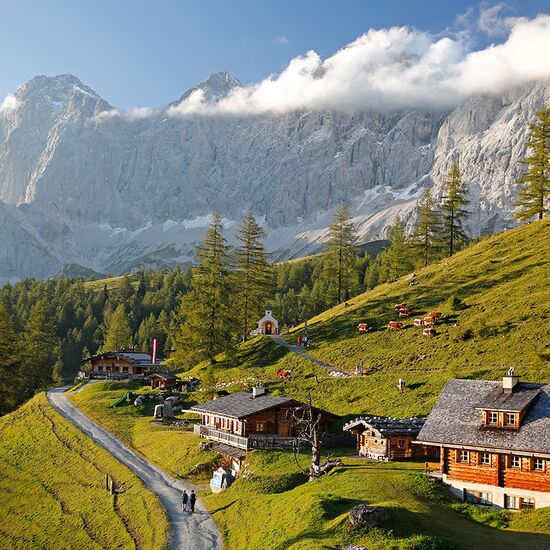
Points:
[[139, 52]]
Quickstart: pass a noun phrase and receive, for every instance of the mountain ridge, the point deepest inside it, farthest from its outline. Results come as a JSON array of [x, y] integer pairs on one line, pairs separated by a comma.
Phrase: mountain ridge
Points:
[[116, 191]]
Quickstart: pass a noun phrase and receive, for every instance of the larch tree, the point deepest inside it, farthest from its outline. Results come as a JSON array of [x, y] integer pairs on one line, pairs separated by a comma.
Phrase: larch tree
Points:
[[341, 251], [40, 346], [254, 274], [119, 333], [453, 212], [534, 194], [396, 260], [424, 240], [208, 309]]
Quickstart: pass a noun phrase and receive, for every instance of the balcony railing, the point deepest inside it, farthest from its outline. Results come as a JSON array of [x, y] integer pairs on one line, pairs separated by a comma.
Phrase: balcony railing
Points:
[[254, 441], [222, 437]]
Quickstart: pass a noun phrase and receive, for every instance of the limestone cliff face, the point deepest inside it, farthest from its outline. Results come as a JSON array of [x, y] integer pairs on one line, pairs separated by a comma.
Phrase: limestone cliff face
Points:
[[114, 191]]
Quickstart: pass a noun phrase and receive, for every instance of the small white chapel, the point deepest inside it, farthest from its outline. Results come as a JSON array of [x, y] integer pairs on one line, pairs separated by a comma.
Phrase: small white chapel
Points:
[[268, 324]]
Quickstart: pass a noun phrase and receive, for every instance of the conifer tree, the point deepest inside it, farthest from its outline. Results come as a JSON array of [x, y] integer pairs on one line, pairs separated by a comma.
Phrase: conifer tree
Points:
[[425, 238], [254, 274], [534, 193], [11, 379], [340, 255], [396, 260], [207, 310], [453, 202], [119, 334], [40, 347]]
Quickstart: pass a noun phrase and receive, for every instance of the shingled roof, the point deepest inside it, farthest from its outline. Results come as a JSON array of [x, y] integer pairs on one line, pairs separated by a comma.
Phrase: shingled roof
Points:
[[387, 426], [456, 418], [241, 404]]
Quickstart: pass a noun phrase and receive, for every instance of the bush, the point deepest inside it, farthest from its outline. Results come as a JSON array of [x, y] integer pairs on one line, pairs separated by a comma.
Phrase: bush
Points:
[[499, 519], [457, 304]]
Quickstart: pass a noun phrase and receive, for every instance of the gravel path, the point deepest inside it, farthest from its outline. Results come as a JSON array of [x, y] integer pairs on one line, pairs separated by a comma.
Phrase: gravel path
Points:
[[196, 531], [302, 352]]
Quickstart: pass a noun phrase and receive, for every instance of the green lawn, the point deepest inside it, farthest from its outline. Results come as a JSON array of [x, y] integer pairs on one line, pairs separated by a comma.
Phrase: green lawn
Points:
[[52, 491]]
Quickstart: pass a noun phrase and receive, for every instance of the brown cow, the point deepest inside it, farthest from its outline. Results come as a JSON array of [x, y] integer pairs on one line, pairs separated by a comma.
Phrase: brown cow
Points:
[[404, 312], [395, 325], [436, 315], [418, 322], [429, 332], [363, 328]]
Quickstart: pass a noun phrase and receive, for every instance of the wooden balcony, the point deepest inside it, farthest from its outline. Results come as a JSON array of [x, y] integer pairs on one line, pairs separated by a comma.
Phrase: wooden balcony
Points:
[[254, 441], [222, 437]]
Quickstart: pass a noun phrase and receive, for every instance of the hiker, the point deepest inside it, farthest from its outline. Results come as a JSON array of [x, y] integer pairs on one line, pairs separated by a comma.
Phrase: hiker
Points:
[[184, 499], [299, 340], [192, 499]]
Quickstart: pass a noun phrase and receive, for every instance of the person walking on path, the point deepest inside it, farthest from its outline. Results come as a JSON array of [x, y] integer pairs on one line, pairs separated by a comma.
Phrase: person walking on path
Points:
[[192, 499], [184, 500]]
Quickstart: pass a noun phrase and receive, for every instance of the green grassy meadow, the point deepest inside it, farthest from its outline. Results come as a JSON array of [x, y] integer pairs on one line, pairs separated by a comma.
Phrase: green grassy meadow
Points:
[[52, 491]]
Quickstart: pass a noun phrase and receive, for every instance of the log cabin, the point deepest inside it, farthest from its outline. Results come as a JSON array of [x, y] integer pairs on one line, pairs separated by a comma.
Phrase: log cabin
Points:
[[383, 438], [118, 365], [252, 420], [163, 380], [495, 441]]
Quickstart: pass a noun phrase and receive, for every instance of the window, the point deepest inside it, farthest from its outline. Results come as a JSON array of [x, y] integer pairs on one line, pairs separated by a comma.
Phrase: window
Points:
[[515, 462], [527, 503], [401, 443], [99, 368], [124, 369], [485, 459], [512, 503], [519, 503], [463, 456], [492, 418], [538, 464], [260, 426], [478, 497], [510, 419]]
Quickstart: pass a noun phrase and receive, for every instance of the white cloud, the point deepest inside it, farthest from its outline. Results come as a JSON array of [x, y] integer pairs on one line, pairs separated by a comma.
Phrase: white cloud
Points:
[[138, 113], [10, 103], [392, 69], [492, 23], [283, 40]]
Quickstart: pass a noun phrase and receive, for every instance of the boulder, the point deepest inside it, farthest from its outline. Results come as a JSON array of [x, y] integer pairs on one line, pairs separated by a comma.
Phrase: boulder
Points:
[[365, 516]]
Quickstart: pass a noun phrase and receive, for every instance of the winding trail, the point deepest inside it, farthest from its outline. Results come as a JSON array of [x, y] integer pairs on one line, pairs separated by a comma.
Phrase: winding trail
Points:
[[301, 351], [196, 531]]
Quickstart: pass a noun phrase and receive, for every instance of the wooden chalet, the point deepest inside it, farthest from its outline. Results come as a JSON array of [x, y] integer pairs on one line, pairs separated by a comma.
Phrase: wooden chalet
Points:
[[163, 380], [251, 420], [495, 441], [123, 364], [384, 438]]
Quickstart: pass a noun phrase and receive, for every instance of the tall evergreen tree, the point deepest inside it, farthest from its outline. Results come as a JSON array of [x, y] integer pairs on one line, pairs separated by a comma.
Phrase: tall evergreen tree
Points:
[[119, 334], [207, 310], [40, 347], [424, 241], [534, 193], [11, 379], [341, 249], [253, 273], [453, 202], [396, 260]]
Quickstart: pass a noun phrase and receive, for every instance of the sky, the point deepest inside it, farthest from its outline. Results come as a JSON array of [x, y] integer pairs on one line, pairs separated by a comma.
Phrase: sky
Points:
[[147, 53]]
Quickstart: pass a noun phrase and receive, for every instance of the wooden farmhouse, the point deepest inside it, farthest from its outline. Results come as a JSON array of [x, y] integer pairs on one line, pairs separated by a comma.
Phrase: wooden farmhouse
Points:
[[383, 438], [251, 420], [163, 380], [495, 441], [118, 365]]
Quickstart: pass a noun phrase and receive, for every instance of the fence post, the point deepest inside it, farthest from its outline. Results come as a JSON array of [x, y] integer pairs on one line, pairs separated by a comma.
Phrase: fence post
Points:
[[106, 482]]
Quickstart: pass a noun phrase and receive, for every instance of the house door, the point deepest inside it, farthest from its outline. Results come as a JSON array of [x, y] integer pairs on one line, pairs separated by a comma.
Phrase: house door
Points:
[[284, 429], [268, 328]]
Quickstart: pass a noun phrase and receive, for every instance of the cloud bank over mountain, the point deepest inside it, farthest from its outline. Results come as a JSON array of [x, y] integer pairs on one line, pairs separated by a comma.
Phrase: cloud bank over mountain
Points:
[[390, 69]]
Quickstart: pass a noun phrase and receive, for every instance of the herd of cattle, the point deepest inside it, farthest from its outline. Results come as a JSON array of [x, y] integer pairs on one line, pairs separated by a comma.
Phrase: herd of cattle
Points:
[[427, 323]]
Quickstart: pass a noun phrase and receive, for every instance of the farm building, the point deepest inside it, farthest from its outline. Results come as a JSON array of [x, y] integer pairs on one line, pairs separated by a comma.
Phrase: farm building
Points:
[[251, 420], [383, 438], [163, 380], [495, 441], [118, 365]]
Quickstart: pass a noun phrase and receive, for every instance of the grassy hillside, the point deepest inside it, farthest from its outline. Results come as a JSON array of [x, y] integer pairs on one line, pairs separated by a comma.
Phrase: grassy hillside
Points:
[[52, 494]]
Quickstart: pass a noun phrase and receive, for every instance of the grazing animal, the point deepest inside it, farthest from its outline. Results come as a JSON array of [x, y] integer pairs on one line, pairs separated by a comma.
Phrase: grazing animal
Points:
[[395, 325], [429, 321], [418, 322], [404, 312], [429, 332], [363, 328], [436, 315], [397, 307], [283, 373]]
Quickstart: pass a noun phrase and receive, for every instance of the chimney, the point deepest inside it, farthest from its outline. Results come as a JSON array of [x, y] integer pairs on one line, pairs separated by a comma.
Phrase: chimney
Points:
[[510, 381], [257, 391]]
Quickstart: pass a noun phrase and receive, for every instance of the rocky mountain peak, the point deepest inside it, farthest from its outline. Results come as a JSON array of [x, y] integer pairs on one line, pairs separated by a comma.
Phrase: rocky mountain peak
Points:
[[57, 88], [215, 87]]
